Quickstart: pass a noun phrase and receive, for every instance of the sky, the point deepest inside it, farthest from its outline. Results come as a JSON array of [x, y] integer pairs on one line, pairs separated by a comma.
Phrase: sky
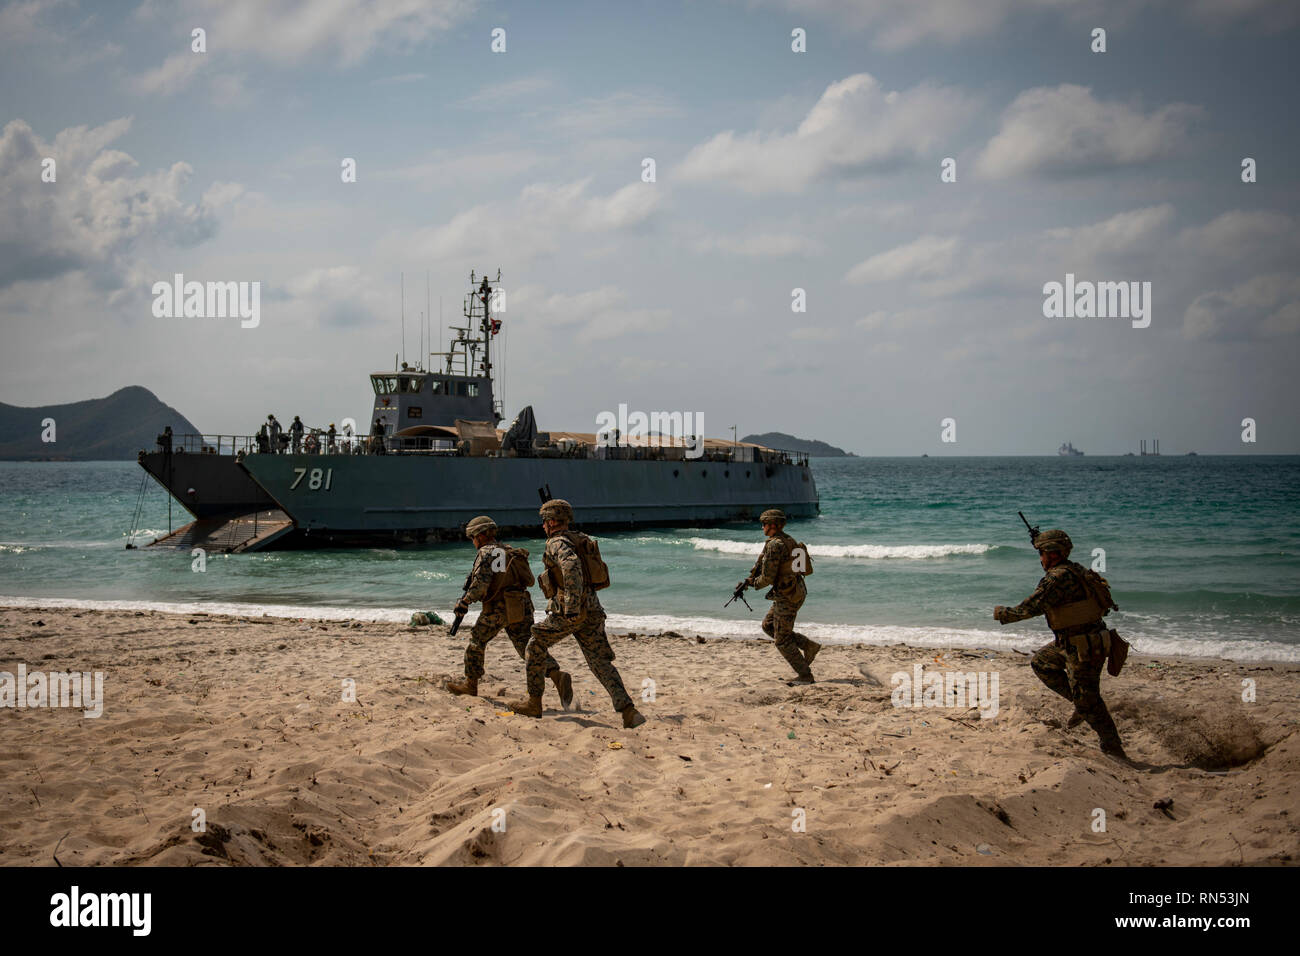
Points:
[[775, 170]]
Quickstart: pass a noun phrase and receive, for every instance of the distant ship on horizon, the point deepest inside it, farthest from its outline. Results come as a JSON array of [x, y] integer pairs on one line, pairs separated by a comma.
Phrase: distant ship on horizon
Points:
[[1069, 451]]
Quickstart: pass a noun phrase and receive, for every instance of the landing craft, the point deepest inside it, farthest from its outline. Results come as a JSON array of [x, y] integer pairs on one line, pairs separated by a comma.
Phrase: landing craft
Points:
[[437, 455]]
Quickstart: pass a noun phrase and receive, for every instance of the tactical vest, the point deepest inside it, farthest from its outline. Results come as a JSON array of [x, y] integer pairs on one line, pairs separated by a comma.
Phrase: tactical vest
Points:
[[594, 570], [798, 551], [517, 575], [1073, 617]]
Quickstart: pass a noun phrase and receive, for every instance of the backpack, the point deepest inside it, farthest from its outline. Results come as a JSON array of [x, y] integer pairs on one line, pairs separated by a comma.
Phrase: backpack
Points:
[[516, 575], [799, 554], [594, 568], [1099, 588]]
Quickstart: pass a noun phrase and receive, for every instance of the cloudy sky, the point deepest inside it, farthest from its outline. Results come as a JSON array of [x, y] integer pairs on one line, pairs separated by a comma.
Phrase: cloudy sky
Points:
[[775, 170]]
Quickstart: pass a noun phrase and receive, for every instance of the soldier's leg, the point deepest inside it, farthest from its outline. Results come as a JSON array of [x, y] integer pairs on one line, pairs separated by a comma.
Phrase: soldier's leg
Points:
[[519, 635], [1049, 663], [1085, 682], [550, 630], [485, 628], [594, 643], [782, 628]]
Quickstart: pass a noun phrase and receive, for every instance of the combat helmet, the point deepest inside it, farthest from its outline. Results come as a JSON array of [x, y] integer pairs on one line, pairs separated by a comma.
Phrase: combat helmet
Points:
[[480, 525], [772, 516], [556, 509], [1054, 540]]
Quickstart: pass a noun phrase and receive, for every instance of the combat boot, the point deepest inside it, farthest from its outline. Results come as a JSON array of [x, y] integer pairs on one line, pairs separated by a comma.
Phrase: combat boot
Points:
[[813, 648], [632, 717], [1075, 720], [1113, 748], [564, 687], [802, 679], [529, 707], [470, 687]]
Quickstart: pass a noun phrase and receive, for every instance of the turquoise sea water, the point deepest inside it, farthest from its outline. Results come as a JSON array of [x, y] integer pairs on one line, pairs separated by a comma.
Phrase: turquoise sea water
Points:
[[1203, 554]]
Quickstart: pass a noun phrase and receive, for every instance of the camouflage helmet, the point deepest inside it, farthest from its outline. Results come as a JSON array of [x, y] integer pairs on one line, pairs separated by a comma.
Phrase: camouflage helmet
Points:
[[557, 509], [480, 525], [1054, 540], [772, 516]]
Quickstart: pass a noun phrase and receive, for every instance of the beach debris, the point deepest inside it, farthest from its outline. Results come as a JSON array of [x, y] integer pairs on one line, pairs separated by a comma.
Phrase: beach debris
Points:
[[684, 757], [984, 849], [1165, 806], [790, 735], [420, 618], [767, 786], [505, 713], [615, 745]]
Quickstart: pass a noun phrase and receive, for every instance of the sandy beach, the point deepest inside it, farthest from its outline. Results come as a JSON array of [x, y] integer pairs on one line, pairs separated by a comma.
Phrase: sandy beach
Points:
[[244, 719]]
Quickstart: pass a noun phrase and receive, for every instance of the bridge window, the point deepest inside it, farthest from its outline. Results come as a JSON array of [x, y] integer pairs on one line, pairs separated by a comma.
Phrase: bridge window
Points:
[[383, 384], [473, 389], [409, 385], [436, 385]]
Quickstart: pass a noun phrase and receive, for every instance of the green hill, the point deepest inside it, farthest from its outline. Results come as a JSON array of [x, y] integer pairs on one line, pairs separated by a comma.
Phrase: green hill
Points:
[[99, 429], [818, 449]]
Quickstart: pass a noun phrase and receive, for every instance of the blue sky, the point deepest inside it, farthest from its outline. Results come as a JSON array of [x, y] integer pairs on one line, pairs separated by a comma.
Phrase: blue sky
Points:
[[775, 170]]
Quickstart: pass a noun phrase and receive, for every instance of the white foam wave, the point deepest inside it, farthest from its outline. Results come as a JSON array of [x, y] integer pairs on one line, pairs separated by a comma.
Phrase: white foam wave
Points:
[[869, 551], [941, 637], [746, 628]]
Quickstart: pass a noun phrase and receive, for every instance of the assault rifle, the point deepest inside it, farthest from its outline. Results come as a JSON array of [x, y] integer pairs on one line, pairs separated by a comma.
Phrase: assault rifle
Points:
[[739, 594], [460, 616], [1033, 529]]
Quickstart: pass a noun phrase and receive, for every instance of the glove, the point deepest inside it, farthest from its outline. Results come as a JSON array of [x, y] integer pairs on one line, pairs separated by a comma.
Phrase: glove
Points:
[[461, 608], [742, 585]]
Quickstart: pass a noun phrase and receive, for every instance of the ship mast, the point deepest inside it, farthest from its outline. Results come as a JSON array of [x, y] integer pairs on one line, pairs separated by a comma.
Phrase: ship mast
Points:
[[462, 355]]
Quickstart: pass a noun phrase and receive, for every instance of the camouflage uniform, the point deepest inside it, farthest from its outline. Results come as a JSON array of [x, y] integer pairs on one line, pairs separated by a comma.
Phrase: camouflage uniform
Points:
[[787, 596], [575, 610], [1072, 664], [493, 616]]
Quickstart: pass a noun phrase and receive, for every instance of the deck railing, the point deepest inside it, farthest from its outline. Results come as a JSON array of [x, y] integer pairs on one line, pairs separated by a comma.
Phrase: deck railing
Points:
[[199, 444]]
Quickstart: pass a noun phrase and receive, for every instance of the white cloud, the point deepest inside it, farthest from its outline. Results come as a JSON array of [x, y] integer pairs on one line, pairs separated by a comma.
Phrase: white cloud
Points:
[[921, 258], [533, 224], [1243, 235], [1122, 233], [1065, 129], [759, 245], [1265, 306], [172, 76], [508, 90], [290, 31], [856, 126], [898, 24], [99, 212], [600, 313]]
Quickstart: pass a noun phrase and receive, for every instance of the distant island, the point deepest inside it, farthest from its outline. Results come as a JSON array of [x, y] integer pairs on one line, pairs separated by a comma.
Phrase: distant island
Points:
[[99, 429], [817, 449]]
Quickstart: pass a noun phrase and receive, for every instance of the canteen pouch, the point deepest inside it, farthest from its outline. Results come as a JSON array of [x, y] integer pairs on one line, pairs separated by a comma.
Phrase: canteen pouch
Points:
[[516, 607], [1093, 645], [1118, 654], [544, 582]]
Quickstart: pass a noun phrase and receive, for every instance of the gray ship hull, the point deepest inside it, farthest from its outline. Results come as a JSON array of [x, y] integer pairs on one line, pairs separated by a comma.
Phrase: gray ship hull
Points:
[[419, 497]]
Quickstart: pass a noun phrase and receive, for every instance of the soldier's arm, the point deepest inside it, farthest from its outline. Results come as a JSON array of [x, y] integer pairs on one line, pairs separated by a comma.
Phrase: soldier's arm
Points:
[[480, 578], [768, 564], [571, 570], [1034, 605]]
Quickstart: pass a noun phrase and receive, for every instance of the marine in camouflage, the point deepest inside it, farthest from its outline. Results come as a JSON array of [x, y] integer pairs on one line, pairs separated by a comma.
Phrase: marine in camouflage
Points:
[[492, 618], [575, 609], [787, 594], [1072, 664]]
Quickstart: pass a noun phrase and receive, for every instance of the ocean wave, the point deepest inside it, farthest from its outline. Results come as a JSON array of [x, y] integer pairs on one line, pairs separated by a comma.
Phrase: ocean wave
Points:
[[869, 551], [941, 637], [738, 629]]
